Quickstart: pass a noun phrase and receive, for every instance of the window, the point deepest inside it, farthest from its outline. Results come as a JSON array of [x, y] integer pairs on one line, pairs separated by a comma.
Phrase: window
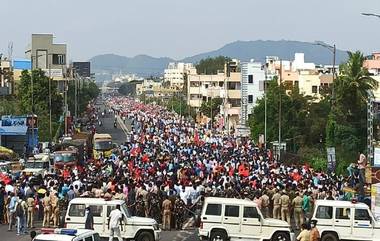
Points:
[[250, 99], [314, 89], [250, 212], [59, 59], [261, 85], [88, 238], [342, 213], [250, 79], [231, 211], [362, 215], [77, 210], [96, 210], [324, 212], [214, 209]]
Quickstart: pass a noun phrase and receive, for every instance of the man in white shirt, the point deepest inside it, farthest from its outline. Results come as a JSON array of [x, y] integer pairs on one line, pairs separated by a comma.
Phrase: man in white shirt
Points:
[[114, 221]]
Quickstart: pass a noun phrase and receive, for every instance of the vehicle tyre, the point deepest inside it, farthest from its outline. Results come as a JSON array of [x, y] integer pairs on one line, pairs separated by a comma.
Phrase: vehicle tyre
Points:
[[329, 237], [218, 236], [145, 236], [280, 236]]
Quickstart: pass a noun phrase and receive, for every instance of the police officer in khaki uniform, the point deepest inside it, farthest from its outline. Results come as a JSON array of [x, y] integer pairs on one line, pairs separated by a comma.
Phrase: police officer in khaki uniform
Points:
[[167, 214], [30, 204], [265, 205], [55, 209], [46, 203], [276, 204], [285, 202], [297, 210]]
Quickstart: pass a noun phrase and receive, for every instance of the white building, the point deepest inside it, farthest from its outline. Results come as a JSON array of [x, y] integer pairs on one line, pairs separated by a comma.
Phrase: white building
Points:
[[252, 87], [175, 74]]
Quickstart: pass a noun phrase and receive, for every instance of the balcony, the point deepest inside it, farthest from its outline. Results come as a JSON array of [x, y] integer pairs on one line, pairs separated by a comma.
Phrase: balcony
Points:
[[234, 94]]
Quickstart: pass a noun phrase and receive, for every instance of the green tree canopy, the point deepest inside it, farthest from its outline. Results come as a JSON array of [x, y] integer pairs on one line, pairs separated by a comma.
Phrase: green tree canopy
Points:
[[211, 65]]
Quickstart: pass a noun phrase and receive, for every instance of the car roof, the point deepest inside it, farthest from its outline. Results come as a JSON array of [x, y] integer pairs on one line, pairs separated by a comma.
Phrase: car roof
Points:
[[95, 201], [64, 237], [336, 203], [235, 201]]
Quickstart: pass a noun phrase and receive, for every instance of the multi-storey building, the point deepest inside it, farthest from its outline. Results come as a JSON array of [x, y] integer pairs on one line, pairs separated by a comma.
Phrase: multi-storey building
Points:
[[176, 74], [6, 77], [224, 85], [252, 87], [372, 64]]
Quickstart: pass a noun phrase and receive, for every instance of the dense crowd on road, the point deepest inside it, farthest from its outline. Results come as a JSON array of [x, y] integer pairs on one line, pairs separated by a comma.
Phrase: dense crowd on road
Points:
[[165, 169]]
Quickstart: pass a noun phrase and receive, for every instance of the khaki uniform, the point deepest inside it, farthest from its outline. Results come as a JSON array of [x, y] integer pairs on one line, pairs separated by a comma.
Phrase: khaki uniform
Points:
[[265, 205], [55, 211], [30, 212], [285, 201], [297, 211], [276, 205], [46, 203], [167, 214]]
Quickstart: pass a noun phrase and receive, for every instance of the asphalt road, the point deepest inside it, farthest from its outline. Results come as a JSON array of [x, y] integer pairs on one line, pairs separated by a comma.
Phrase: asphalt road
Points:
[[118, 135]]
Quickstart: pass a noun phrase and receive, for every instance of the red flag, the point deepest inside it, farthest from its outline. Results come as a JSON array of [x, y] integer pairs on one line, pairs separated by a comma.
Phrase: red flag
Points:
[[196, 137]]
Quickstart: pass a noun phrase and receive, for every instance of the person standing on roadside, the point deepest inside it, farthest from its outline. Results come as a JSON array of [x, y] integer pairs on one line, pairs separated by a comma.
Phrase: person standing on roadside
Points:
[[167, 214], [314, 232], [114, 222], [89, 219], [30, 203]]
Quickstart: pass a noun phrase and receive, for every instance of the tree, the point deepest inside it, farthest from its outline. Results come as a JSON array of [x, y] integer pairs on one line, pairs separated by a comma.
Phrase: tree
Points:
[[40, 99], [127, 88], [212, 65], [87, 91], [347, 122], [211, 108]]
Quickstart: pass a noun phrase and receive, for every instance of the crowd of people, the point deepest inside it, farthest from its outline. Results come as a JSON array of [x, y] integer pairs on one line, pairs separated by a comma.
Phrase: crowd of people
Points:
[[165, 169]]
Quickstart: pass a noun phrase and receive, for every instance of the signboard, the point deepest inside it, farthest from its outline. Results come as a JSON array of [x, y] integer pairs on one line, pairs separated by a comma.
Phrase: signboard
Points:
[[376, 158], [13, 126], [53, 73], [331, 161], [13, 121]]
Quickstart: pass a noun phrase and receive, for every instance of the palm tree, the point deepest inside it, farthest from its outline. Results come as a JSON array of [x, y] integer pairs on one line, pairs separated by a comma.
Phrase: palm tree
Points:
[[354, 83]]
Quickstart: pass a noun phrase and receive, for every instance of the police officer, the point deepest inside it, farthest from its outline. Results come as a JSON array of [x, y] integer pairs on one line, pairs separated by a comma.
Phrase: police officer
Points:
[[167, 213], [154, 206], [297, 210], [265, 205], [30, 204], [285, 201], [140, 207], [276, 204], [46, 203], [179, 210], [55, 209]]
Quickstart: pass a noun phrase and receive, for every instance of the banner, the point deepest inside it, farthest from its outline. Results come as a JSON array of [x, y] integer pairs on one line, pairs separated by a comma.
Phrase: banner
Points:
[[331, 161]]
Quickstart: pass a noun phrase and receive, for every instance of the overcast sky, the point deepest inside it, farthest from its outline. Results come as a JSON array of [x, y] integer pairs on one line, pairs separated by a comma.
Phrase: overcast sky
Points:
[[181, 28]]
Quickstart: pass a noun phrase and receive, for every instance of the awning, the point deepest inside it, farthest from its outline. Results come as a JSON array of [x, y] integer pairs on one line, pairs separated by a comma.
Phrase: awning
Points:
[[13, 130]]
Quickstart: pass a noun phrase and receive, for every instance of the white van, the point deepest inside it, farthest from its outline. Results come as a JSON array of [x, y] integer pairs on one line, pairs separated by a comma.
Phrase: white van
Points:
[[236, 219], [136, 228], [344, 220]]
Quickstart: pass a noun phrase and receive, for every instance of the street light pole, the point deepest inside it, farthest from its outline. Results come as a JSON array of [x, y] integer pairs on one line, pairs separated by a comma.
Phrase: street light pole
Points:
[[332, 48]]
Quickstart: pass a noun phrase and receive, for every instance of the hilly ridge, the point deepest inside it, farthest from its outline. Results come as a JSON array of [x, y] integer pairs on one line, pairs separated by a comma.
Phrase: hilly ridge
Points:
[[145, 65]]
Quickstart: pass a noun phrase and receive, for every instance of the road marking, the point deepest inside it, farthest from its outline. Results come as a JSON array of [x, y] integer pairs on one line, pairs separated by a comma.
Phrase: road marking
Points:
[[122, 125]]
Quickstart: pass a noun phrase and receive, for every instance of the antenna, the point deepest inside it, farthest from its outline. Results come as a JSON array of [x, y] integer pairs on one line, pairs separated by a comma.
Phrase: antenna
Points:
[[10, 51]]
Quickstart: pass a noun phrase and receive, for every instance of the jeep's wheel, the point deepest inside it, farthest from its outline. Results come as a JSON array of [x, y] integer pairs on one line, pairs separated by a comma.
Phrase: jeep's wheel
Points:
[[329, 237], [218, 236], [280, 237], [145, 236]]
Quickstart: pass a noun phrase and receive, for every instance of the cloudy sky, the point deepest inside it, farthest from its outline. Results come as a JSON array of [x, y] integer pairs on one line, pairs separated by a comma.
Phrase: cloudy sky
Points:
[[180, 28]]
